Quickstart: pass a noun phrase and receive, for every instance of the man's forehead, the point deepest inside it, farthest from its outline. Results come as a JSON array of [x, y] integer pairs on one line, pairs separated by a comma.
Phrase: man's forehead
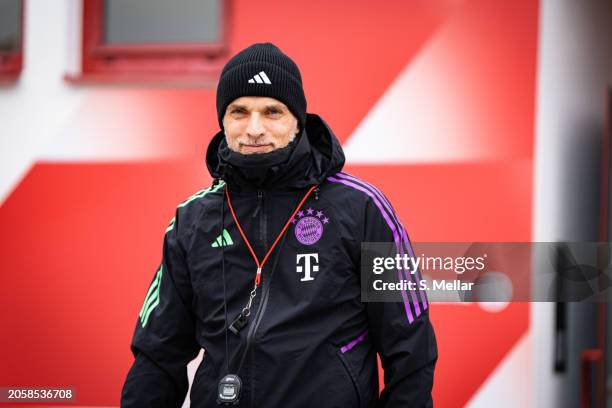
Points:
[[256, 101]]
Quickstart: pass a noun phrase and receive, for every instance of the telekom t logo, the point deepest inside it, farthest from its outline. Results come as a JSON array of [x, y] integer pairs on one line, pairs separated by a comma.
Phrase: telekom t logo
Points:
[[308, 267]]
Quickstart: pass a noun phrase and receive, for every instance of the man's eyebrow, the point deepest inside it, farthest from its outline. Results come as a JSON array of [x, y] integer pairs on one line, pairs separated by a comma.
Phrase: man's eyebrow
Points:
[[275, 106]]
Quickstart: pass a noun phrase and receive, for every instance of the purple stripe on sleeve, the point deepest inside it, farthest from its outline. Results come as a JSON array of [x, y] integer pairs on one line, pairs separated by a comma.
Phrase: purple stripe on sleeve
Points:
[[405, 240], [354, 342], [417, 273], [396, 238], [404, 235]]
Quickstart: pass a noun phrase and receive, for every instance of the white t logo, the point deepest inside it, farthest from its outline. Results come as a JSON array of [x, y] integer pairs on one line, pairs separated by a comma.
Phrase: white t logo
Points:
[[307, 268]]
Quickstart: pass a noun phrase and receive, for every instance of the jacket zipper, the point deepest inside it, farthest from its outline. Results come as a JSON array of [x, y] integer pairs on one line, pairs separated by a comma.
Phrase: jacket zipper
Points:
[[263, 222], [265, 288], [259, 211], [261, 309], [259, 203]]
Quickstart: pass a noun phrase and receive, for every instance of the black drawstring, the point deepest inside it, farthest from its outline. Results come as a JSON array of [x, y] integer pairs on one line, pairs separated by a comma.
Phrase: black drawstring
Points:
[[223, 273]]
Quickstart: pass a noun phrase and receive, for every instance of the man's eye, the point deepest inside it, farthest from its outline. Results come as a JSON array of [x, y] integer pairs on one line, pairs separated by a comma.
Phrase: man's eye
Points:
[[273, 111], [238, 111]]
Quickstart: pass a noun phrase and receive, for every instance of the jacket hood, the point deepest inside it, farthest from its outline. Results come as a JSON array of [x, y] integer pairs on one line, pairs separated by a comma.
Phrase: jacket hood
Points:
[[315, 154]]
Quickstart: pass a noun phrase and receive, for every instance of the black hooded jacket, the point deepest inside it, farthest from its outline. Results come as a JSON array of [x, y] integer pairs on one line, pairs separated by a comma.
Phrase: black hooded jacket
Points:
[[309, 341]]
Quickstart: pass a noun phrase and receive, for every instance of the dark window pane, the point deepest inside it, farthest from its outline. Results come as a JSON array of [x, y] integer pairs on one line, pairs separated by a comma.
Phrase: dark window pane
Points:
[[10, 25], [162, 21]]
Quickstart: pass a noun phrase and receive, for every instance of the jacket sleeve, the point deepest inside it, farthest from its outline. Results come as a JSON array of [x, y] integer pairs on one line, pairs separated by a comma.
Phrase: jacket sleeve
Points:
[[402, 332], [164, 339]]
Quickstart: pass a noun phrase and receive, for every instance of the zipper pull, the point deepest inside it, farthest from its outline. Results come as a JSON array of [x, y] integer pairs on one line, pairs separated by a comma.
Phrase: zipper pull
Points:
[[259, 200]]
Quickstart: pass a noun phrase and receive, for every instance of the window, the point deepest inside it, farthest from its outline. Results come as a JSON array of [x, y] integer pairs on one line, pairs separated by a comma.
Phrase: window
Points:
[[154, 39], [11, 34]]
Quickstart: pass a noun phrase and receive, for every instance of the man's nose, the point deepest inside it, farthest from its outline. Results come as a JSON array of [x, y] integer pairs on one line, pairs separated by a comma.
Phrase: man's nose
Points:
[[255, 126]]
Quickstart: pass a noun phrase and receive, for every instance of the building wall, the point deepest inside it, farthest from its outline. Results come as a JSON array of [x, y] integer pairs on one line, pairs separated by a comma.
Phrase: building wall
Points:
[[574, 65]]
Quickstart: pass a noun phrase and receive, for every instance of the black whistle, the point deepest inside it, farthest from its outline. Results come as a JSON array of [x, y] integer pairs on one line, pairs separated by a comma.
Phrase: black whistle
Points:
[[238, 324]]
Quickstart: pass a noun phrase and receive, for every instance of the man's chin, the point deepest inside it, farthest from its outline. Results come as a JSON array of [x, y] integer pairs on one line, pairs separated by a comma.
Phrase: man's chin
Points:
[[256, 149]]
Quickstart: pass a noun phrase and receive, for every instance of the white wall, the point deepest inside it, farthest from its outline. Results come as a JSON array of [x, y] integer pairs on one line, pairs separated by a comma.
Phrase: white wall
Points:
[[574, 66], [33, 109]]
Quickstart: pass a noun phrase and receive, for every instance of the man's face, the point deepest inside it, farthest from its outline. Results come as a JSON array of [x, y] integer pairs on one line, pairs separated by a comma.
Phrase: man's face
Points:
[[256, 124]]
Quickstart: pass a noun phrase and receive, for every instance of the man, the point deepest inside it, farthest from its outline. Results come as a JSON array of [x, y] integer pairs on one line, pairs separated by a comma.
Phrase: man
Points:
[[262, 269]]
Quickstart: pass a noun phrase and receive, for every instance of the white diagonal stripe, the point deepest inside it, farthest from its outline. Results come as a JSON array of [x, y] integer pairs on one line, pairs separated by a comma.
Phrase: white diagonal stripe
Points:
[[265, 77], [401, 126], [251, 81], [512, 373], [258, 79]]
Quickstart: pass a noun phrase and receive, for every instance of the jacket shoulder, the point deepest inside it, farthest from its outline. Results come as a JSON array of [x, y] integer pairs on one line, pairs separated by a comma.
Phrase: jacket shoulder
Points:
[[202, 196], [353, 187], [192, 207]]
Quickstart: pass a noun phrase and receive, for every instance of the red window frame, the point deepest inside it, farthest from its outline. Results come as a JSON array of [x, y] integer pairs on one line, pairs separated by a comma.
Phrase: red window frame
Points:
[[152, 61], [12, 62]]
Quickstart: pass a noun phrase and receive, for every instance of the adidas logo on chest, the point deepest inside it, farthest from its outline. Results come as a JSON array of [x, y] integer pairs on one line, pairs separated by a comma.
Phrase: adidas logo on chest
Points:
[[223, 240]]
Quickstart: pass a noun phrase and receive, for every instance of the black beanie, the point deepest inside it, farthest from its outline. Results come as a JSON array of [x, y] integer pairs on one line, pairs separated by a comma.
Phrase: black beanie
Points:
[[262, 70]]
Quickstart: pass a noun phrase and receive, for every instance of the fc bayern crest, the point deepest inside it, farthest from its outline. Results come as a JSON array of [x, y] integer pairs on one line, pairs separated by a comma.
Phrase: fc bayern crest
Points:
[[309, 227]]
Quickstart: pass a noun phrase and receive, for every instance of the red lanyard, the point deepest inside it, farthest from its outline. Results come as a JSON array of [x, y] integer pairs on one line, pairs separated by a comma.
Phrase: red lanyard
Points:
[[261, 264]]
